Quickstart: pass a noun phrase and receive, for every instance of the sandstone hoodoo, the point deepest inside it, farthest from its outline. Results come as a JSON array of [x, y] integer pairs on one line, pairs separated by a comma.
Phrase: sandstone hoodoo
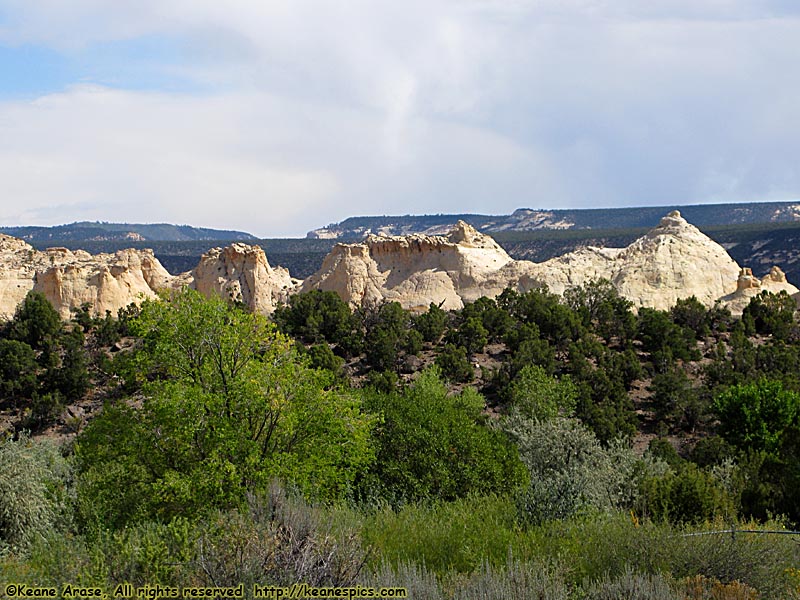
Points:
[[240, 272], [748, 286]]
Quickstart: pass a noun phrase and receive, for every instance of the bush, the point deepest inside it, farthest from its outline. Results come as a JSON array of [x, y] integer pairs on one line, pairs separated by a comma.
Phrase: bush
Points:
[[771, 314], [318, 316], [691, 314], [34, 491], [675, 399], [446, 537], [571, 472], [755, 415], [602, 308], [471, 335], [687, 495], [435, 445], [515, 581], [386, 331], [659, 335], [630, 585], [431, 324], [539, 396], [281, 540], [662, 450], [454, 364], [18, 369], [322, 357]]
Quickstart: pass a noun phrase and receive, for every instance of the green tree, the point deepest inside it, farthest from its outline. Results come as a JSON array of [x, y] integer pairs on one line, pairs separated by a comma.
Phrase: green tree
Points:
[[494, 319], [692, 314], [227, 406], [318, 316], [18, 369], [675, 399], [431, 324], [471, 335], [771, 314], [600, 307], [454, 364], [35, 322], [755, 415], [659, 334], [556, 322], [605, 407], [71, 377], [386, 329], [435, 445], [537, 395]]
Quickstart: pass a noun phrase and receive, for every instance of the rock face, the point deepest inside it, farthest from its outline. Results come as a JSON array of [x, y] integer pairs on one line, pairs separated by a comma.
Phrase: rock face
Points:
[[107, 282], [240, 272], [674, 260], [414, 270], [17, 270], [70, 279]]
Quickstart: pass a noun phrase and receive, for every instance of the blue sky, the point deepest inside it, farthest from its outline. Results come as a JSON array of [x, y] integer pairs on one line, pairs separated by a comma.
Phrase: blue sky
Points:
[[276, 117]]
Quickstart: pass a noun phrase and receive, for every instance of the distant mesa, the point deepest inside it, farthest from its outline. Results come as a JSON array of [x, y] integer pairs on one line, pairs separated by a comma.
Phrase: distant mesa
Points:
[[673, 260], [133, 232], [530, 219]]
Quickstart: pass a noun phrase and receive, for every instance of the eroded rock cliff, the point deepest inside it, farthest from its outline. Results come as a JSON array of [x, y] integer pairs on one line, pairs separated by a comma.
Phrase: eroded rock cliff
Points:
[[674, 260], [414, 270], [108, 282]]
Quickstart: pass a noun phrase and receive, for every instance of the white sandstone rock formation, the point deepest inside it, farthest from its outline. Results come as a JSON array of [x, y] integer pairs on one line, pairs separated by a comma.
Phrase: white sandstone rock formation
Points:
[[107, 282], [70, 279], [242, 273], [748, 286], [414, 270], [17, 269], [674, 260]]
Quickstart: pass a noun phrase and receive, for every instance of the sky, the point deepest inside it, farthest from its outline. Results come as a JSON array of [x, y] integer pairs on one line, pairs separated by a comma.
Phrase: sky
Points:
[[280, 116]]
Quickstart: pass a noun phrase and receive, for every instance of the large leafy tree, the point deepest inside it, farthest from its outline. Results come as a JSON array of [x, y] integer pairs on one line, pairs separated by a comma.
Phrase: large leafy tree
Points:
[[227, 406]]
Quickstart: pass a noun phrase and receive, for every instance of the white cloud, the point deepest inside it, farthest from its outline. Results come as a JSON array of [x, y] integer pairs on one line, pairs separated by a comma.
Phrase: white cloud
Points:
[[313, 111], [247, 161]]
